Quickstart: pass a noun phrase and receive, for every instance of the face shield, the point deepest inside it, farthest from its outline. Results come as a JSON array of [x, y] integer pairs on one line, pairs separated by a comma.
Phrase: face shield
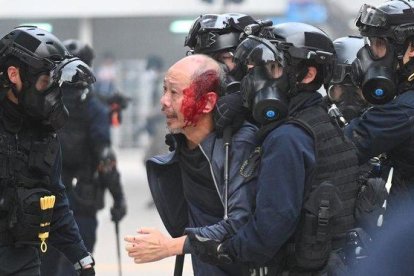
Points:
[[42, 99], [371, 16], [204, 24]]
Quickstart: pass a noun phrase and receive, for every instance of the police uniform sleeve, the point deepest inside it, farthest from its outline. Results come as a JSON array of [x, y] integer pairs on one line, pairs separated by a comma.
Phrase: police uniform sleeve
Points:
[[380, 129], [64, 234], [288, 158], [240, 196], [99, 128]]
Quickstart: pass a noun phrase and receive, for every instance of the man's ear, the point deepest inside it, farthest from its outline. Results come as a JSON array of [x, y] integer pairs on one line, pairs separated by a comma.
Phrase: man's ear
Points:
[[13, 74], [211, 98], [310, 75]]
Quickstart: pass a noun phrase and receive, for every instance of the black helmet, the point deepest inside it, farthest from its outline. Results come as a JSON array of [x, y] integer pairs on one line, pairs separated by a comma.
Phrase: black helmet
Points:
[[35, 47], [346, 49], [80, 49], [211, 33], [392, 19], [303, 43]]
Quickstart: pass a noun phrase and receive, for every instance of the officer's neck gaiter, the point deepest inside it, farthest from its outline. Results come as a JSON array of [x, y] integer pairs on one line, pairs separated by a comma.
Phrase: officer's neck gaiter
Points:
[[12, 117]]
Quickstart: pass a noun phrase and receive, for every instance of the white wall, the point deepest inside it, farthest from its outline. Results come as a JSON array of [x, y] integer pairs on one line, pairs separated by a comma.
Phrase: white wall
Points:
[[123, 8]]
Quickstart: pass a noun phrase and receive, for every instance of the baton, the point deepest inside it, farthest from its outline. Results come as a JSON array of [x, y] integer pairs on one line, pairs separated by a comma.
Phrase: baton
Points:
[[118, 248], [179, 264]]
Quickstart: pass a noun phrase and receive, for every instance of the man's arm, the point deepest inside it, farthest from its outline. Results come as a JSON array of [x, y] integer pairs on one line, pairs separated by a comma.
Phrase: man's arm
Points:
[[379, 129]]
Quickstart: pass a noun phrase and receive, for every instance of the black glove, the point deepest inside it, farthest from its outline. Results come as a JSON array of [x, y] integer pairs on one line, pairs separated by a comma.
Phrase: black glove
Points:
[[209, 251], [119, 210], [87, 272], [229, 112]]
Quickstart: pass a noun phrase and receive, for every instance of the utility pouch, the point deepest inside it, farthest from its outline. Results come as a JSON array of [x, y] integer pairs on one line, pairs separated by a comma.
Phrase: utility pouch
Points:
[[313, 243], [30, 216], [369, 204], [43, 155]]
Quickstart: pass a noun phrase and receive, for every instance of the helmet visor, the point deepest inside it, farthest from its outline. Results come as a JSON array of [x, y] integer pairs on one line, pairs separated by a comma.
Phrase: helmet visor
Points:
[[73, 71], [371, 16], [255, 51], [340, 72], [213, 21]]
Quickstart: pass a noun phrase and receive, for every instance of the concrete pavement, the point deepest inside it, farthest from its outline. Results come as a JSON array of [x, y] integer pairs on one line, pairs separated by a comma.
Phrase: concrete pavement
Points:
[[139, 215]]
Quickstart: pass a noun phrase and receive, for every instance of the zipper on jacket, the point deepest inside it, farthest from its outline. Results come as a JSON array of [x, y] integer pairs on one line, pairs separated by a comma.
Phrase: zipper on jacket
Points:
[[212, 174]]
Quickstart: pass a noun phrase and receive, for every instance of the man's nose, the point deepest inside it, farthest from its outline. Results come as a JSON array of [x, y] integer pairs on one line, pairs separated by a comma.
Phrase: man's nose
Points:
[[164, 101]]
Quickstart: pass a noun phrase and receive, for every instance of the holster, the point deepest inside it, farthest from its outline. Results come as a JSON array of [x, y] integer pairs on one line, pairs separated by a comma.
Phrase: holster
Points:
[[313, 239]]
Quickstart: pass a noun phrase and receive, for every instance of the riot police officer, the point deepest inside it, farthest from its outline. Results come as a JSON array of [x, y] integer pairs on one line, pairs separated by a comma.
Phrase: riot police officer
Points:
[[384, 69], [307, 171], [217, 35], [89, 163], [342, 91], [33, 202]]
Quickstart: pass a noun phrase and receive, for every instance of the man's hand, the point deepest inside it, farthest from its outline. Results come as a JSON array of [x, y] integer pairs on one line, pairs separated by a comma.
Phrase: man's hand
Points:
[[118, 211], [209, 251], [151, 245]]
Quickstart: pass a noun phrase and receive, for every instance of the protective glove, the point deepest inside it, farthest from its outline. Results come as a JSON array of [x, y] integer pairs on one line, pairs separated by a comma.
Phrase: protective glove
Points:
[[229, 112], [209, 251], [87, 272], [118, 211]]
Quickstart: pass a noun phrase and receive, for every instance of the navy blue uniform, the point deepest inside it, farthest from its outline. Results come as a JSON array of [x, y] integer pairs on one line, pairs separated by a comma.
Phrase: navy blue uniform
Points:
[[84, 136], [389, 129], [287, 163]]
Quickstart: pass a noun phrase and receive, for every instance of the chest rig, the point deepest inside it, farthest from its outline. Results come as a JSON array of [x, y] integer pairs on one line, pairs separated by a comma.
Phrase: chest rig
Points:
[[27, 158], [328, 208]]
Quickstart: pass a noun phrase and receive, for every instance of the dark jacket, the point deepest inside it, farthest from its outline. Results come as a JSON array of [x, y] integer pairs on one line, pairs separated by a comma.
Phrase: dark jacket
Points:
[[389, 129], [306, 191], [287, 163], [82, 138], [164, 177]]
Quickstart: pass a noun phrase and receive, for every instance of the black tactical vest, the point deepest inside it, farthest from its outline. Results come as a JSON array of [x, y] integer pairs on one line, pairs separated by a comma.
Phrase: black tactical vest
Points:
[[26, 163], [328, 208]]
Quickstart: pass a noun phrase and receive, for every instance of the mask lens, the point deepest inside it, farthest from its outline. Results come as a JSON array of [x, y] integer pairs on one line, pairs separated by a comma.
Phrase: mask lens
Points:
[[274, 70], [340, 72], [223, 57], [335, 93], [43, 81], [378, 46]]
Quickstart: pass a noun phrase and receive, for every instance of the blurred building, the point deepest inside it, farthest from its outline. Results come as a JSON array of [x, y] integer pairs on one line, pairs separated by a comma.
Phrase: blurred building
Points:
[[132, 30]]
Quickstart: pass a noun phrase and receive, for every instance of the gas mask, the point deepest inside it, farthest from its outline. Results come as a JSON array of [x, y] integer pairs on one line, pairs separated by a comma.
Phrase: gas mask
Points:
[[348, 99], [265, 86], [41, 96], [374, 71], [264, 96]]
